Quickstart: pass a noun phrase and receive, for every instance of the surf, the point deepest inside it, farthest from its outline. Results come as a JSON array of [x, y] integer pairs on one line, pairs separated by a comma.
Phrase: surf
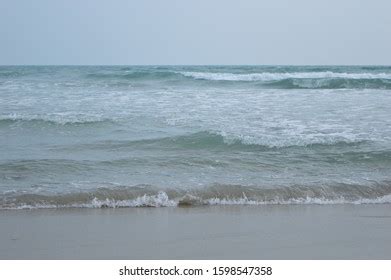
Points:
[[152, 196]]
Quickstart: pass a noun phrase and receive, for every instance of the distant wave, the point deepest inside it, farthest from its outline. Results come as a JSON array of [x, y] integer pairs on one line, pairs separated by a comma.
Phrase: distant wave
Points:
[[148, 196], [288, 77], [323, 79], [133, 75], [271, 76], [332, 83], [298, 80], [54, 119], [10, 74]]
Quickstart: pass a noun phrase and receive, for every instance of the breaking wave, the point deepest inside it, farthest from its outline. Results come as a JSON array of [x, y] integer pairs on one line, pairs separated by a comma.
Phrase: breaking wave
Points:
[[262, 76], [271, 76], [297, 80], [148, 196]]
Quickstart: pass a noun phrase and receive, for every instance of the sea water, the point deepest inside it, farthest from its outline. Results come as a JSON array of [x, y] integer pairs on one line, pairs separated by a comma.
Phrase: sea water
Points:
[[132, 136]]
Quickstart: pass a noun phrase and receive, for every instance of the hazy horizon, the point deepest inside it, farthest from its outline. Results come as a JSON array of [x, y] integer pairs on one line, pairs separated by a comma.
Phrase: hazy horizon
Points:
[[195, 32], [169, 65]]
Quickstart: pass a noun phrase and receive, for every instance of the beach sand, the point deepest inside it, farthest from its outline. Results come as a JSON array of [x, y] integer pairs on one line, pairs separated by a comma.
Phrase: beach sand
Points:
[[222, 232]]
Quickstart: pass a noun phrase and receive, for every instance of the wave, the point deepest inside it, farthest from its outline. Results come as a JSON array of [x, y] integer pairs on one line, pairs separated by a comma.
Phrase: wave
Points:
[[53, 119], [9, 74], [17, 170], [262, 76], [221, 140], [149, 196], [271, 76], [300, 80], [330, 84], [285, 80], [133, 75]]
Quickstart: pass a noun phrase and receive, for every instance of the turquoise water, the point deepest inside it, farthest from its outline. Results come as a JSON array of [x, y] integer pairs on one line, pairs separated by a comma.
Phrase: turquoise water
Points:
[[124, 136]]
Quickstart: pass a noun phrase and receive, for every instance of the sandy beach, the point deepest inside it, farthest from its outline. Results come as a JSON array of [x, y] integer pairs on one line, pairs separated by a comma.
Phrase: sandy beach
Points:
[[223, 232]]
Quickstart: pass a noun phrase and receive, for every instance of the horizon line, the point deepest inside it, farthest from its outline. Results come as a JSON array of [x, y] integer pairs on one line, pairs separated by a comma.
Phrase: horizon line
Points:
[[387, 65]]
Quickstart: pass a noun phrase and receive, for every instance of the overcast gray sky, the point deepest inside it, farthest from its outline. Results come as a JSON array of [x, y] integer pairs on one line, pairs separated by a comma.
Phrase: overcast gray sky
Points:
[[195, 32]]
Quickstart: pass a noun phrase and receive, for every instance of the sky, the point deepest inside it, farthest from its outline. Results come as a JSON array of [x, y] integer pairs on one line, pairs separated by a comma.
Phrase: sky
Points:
[[192, 32]]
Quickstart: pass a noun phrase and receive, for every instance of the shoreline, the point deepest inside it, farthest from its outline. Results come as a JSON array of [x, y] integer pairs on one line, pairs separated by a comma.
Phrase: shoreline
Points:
[[211, 232]]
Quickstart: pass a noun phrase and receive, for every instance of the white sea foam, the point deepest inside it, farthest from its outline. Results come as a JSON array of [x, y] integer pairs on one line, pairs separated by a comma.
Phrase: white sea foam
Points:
[[58, 118], [159, 200], [300, 201], [270, 76], [163, 200], [294, 138]]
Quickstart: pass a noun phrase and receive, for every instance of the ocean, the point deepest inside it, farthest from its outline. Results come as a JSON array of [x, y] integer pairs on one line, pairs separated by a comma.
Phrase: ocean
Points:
[[154, 136]]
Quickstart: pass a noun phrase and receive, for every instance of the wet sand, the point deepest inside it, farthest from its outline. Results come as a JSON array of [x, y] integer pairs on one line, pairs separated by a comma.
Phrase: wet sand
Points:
[[222, 232]]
